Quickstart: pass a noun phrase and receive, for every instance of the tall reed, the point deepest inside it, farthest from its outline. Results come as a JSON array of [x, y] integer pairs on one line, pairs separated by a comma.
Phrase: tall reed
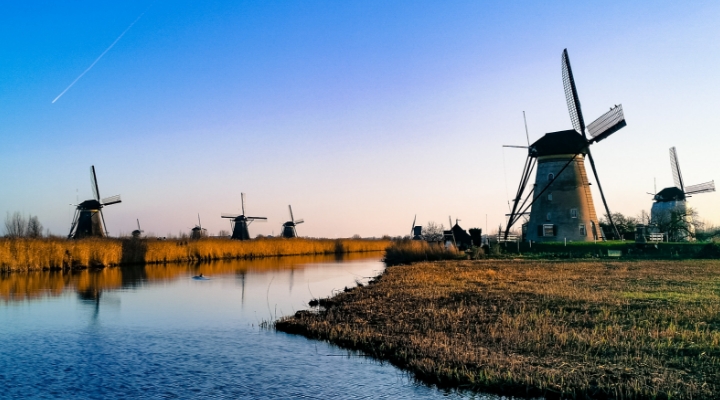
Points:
[[30, 254], [409, 251]]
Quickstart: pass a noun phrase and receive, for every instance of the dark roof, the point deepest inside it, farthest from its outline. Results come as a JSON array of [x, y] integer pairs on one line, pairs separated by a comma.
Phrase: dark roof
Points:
[[562, 142], [90, 205], [670, 194], [460, 235]]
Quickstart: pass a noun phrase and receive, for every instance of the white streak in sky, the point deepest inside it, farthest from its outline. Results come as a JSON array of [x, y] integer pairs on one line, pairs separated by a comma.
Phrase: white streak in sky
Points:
[[98, 59]]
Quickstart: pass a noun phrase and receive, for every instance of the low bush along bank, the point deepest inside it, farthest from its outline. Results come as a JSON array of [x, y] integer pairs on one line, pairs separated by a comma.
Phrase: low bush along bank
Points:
[[29, 254], [620, 329], [409, 251]]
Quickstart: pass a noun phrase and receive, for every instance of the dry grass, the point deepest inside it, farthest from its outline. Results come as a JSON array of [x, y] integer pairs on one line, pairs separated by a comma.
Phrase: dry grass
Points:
[[409, 251], [636, 330], [31, 254]]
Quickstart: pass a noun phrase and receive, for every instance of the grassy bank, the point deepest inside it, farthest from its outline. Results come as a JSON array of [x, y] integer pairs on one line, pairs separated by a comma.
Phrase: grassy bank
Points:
[[32, 254], [619, 329], [628, 250]]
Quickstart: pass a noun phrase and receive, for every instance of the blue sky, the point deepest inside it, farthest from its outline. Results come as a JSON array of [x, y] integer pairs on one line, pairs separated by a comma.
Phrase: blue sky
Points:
[[359, 114]]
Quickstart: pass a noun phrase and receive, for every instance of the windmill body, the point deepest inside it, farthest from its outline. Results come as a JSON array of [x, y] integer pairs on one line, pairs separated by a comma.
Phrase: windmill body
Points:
[[239, 223], [565, 209], [671, 203], [88, 220], [288, 228], [560, 202]]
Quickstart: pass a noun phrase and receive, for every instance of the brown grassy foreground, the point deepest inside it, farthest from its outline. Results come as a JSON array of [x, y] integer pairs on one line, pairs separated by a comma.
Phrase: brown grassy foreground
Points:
[[635, 330], [32, 254]]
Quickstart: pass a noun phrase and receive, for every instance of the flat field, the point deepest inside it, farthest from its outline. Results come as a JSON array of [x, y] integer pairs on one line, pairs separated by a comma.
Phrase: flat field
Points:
[[616, 329]]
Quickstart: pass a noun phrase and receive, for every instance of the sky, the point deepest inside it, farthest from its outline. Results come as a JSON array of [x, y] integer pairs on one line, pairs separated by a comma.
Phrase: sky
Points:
[[360, 114]]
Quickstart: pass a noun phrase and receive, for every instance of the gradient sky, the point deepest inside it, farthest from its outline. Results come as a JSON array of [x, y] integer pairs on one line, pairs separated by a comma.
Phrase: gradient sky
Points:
[[360, 114]]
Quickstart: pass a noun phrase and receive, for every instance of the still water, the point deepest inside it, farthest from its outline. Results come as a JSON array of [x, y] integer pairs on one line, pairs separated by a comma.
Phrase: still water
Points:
[[155, 332]]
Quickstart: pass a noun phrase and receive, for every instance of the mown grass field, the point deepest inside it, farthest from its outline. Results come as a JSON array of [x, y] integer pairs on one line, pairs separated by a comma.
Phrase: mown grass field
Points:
[[33, 254], [596, 329]]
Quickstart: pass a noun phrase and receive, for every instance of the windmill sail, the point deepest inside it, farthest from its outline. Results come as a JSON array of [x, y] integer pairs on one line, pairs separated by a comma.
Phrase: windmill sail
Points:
[[675, 167], [111, 200], [571, 95], [608, 123], [700, 188], [93, 182]]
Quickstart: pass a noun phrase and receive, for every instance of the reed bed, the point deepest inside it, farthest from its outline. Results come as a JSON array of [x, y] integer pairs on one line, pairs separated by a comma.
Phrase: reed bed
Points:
[[409, 251], [621, 329], [32, 254]]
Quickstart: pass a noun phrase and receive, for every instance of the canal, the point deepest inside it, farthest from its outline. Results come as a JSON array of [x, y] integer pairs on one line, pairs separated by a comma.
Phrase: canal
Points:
[[158, 332]]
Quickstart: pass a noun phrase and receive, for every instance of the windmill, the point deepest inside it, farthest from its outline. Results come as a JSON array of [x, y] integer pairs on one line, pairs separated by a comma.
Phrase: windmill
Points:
[[89, 220], [239, 223], [198, 231], [562, 205], [416, 230], [137, 232], [674, 199], [288, 230]]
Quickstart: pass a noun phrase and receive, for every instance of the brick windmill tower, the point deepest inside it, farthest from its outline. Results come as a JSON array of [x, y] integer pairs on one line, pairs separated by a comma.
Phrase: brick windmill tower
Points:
[[560, 202]]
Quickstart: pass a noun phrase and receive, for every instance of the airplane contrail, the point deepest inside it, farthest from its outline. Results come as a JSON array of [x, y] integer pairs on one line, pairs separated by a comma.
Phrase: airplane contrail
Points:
[[98, 59]]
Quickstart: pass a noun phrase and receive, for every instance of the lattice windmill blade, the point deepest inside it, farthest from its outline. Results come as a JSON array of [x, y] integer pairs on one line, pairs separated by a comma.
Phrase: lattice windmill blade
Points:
[[229, 215], [291, 214], [93, 182], [111, 200], [261, 219], [571, 95], [242, 200], [608, 123], [706, 187], [675, 167], [298, 222], [412, 228], [104, 227], [199, 223]]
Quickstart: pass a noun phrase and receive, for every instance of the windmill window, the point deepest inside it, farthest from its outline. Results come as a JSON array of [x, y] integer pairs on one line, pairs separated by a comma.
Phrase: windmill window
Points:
[[582, 230], [551, 177], [550, 197], [573, 213], [548, 230], [547, 217]]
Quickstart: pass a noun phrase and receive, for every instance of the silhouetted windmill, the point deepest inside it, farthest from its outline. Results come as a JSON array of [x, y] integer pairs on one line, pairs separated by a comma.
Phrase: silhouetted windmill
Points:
[[198, 231], [416, 231], [239, 223], [288, 230], [674, 199], [562, 205], [89, 220], [137, 232]]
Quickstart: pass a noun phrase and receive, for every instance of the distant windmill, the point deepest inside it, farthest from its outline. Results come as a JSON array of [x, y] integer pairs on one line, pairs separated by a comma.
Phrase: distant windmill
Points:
[[288, 230], [239, 223], [416, 230], [198, 232], [674, 199], [562, 205], [89, 220], [137, 232]]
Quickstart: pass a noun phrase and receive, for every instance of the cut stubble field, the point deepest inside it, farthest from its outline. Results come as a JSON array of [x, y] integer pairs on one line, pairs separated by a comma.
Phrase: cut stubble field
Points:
[[576, 329]]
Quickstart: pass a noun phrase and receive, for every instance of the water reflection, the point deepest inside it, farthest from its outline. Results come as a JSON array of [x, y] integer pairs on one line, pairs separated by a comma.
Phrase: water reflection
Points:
[[154, 332], [89, 284]]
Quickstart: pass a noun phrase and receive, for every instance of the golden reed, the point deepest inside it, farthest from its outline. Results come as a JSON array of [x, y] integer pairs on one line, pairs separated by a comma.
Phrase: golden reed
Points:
[[31, 254]]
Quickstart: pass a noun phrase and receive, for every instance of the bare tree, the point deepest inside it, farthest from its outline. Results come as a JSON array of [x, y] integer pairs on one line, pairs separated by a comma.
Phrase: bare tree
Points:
[[15, 225], [433, 232], [680, 224], [34, 227]]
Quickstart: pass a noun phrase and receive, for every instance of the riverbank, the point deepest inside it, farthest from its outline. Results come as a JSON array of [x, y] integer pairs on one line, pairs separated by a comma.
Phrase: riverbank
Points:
[[596, 329], [36, 254]]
